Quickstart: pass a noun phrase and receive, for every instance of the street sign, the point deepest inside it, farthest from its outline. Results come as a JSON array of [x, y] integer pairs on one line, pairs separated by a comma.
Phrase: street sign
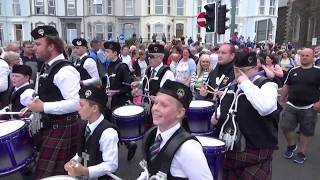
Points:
[[121, 37], [314, 41], [201, 20]]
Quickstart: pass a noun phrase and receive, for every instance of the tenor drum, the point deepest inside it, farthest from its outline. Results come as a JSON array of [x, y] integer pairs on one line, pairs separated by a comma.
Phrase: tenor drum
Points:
[[214, 150], [199, 117], [130, 120], [16, 149]]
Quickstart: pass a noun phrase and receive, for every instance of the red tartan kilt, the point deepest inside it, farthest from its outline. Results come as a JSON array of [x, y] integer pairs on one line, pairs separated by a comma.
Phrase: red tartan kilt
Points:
[[56, 147]]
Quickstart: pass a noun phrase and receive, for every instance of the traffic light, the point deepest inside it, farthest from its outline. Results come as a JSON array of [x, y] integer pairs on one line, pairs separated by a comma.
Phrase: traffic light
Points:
[[222, 19], [210, 17]]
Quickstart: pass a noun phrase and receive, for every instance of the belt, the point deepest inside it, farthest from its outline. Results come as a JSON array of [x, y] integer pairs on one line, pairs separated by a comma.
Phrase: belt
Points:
[[58, 121]]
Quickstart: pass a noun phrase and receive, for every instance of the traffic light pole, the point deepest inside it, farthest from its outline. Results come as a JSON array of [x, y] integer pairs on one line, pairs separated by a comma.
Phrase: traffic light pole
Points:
[[233, 17]]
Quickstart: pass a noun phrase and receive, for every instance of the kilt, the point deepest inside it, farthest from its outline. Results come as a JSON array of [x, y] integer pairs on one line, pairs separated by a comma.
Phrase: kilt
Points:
[[56, 147], [248, 165]]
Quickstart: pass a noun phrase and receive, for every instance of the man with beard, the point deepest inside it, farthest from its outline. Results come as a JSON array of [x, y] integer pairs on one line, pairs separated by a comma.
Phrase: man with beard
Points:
[[58, 103]]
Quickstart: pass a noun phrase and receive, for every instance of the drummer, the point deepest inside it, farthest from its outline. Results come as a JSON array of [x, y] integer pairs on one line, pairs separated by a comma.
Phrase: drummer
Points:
[[187, 160], [98, 151], [22, 92], [256, 105], [157, 74]]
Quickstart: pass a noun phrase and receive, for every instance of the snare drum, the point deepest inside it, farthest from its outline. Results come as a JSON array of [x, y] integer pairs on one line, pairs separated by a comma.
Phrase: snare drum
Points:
[[214, 150], [59, 177], [16, 149], [130, 120], [199, 117]]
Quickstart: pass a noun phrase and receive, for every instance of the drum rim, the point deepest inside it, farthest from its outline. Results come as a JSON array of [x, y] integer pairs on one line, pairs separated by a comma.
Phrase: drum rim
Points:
[[15, 131], [211, 104], [117, 115], [223, 146], [57, 176]]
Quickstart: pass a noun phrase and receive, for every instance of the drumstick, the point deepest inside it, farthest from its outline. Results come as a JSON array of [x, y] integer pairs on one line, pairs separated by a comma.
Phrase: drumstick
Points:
[[113, 176], [1, 121], [210, 86], [127, 84], [9, 113]]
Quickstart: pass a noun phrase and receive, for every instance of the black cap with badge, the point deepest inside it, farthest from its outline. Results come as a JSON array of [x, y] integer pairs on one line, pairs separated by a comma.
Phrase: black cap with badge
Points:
[[245, 59], [94, 94], [178, 91], [42, 31], [22, 69], [156, 48], [114, 46], [80, 42]]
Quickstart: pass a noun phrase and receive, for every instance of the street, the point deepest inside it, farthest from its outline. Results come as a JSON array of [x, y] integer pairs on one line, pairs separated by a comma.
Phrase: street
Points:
[[283, 169]]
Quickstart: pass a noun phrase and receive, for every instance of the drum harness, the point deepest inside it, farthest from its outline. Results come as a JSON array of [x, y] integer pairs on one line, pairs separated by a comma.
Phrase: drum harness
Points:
[[146, 100], [35, 124], [229, 135]]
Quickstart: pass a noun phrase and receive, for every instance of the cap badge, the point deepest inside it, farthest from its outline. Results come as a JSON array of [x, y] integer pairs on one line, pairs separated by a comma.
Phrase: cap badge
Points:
[[155, 49], [41, 32], [79, 43], [180, 93], [88, 93]]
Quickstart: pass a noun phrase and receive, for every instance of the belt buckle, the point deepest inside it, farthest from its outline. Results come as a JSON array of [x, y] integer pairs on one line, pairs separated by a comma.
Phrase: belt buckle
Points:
[[55, 126]]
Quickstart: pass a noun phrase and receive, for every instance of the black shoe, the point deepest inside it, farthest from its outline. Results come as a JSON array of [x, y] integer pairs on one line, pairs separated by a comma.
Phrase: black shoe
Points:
[[132, 147]]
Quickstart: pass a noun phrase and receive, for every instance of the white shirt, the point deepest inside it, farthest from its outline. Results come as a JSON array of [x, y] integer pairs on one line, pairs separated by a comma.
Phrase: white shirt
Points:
[[127, 59], [4, 73], [143, 66], [168, 75], [189, 161], [91, 66], [67, 79], [108, 146], [26, 96], [263, 99]]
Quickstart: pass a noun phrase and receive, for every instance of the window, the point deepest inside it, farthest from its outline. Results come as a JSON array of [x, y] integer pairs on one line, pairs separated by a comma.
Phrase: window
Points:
[[39, 7], [89, 7], [168, 32], [272, 8], [16, 8], [180, 7], [237, 7], [71, 7], [296, 28], [110, 31], [1, 34], [18, 31], [199, 6], [149, 32], [158, 29], [109, 7], [169, 6], [39, 24], [99, 31], [159, 6], [261, 7], [0, 11], [98, 9], [129, 8], [51, 7], [90, 31], [149, 6]]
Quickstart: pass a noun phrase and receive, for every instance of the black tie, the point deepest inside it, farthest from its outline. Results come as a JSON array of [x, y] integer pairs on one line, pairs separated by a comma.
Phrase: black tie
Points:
[[153, 73]]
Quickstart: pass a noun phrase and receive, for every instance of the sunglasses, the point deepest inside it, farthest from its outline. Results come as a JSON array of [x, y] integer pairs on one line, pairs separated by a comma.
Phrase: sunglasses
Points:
[[244, 68]]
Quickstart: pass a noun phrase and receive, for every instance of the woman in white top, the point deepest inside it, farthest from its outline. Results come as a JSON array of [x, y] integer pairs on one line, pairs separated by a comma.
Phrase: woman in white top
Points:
[[198, 78], [185, 68]]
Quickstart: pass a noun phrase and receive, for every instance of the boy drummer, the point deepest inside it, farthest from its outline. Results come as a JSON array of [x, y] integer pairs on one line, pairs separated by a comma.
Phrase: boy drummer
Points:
[[168, 110], [98, 152]]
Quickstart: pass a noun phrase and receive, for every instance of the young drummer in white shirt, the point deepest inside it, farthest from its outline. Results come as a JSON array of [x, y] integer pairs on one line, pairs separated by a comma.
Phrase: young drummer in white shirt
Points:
[[188, 161], [102, 143]]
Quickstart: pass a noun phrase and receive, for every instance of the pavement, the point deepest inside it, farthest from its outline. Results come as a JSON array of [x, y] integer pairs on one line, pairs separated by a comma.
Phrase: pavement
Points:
[[283, 169]]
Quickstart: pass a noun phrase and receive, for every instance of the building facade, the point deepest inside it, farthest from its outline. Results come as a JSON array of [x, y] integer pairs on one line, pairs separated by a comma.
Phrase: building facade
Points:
[[107, 19], [303, 22]]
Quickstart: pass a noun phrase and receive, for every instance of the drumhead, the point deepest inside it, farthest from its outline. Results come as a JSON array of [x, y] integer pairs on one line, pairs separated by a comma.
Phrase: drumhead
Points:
[[10, 126], [200, 103], [59, 177], [129, 110], [210, 141]]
